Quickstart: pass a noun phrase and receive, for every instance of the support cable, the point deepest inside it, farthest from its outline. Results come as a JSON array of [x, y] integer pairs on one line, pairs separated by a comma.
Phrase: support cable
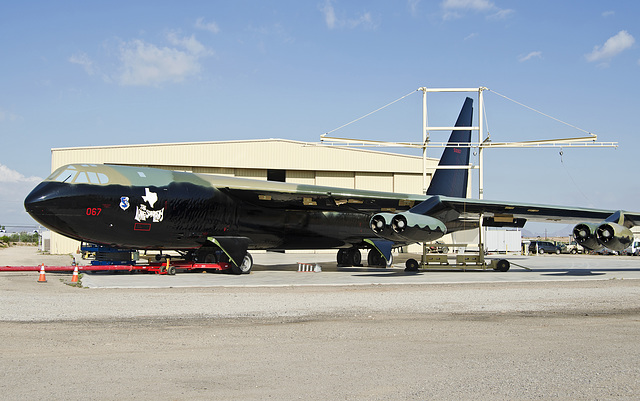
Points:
[[368, 114], [539, 112], [571, 177]]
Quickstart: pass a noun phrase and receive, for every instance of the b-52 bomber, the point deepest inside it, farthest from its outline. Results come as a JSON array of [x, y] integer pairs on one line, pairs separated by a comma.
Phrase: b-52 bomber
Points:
[[208, 217]]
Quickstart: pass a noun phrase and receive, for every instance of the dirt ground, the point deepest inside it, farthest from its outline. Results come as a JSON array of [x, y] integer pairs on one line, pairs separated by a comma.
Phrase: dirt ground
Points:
[[584, 343]]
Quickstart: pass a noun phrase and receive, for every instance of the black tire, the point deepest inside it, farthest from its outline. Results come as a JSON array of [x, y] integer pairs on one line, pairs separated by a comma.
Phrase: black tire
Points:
[[373, 258], [171, 270], [411, 265], [245, 267], [541, 251], [342, 257], [355, 257], [503, 265], [557, 251], [574, 251]]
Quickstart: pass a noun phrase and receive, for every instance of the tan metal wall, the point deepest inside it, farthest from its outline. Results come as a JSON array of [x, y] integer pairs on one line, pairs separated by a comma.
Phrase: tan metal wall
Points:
[[301, 177], [375, 181], [266, 154]]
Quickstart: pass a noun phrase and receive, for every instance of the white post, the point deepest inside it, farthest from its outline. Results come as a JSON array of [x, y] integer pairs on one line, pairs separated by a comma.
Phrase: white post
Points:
[[480, 175], [480, 139], [424, 139]]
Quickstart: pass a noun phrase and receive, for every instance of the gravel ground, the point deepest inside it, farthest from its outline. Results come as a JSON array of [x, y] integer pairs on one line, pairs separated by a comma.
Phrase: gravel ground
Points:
[[539, 340]]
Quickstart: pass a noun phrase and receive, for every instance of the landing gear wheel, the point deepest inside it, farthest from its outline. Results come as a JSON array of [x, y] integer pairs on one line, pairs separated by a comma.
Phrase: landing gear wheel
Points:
[[411, 265], [342, 257], [503, 265], [245, 267], [354, 257], [373, 258]]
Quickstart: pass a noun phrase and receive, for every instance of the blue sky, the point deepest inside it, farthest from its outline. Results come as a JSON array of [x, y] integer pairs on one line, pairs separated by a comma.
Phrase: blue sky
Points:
[[88, 73]]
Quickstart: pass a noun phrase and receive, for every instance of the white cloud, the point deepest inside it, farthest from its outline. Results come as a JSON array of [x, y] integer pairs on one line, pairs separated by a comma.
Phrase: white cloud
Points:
[[608, 13], [612, 47], [83, 60], [329, 14], [471, 36], [190, 44], [14, 187], [145, 64], [9, 175], [413, 6], [209, 26], [454, 9], [333, 22], [501, 14], [478, 5], [529, 56]]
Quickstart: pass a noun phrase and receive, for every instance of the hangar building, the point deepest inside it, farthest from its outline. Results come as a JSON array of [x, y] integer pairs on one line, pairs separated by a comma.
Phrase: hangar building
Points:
[[268, 159]]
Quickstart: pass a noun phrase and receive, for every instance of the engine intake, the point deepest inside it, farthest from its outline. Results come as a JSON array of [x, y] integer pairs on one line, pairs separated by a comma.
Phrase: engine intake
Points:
[[585, 235], [614, 236], [610, 234]]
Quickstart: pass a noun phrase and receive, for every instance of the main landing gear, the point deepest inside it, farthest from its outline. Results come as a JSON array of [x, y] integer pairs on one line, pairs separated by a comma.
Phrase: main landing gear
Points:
[[349, 257], [216, 255], [353, 257]]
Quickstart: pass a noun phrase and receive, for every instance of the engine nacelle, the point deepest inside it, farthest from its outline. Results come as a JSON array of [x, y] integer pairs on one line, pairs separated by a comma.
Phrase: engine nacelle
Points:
[[614, 236], [380, 223], [407, 226], [417, 227], [585, 235]]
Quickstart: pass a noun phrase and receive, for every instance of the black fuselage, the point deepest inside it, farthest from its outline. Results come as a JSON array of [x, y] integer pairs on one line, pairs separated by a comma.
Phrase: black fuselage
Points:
[[183, 216]]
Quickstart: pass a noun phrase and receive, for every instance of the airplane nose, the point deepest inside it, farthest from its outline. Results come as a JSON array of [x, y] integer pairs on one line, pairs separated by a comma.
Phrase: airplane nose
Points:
[[46, 202], [35, 202], [50, 204]]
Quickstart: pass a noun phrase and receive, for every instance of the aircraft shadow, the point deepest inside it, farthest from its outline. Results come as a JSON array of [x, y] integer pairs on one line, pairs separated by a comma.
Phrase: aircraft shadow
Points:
[[391, 274], [583, 272]]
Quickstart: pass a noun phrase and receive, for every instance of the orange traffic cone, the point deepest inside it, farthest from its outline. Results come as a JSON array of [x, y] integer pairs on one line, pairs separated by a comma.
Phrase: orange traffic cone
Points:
[[74, 278], [42, 278]]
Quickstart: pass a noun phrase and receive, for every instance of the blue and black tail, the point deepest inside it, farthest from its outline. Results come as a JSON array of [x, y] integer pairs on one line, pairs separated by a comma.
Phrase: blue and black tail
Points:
[[453, 182]]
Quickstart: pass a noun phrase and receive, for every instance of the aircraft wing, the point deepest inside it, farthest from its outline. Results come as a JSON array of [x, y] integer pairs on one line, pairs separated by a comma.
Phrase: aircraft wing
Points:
[[502, 212], [404, 218], [302, 197], [443, 208]]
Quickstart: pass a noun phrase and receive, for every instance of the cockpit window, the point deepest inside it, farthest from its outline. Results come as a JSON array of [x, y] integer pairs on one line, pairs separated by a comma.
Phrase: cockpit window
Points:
[[103, 178], [81, 178], [66, 176], [70, 174]]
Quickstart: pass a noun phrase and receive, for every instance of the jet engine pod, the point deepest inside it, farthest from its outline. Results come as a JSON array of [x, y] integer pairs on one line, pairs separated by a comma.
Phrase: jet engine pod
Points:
[[614, 236], [585, 235], [380, 223], [417, 227]]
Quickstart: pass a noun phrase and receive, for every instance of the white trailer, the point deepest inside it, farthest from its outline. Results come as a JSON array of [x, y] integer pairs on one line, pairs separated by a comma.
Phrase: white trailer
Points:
[[502, 240]]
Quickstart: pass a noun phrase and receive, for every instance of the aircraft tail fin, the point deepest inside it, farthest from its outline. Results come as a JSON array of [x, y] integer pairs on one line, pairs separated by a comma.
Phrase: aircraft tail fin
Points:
[[453, 182]]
